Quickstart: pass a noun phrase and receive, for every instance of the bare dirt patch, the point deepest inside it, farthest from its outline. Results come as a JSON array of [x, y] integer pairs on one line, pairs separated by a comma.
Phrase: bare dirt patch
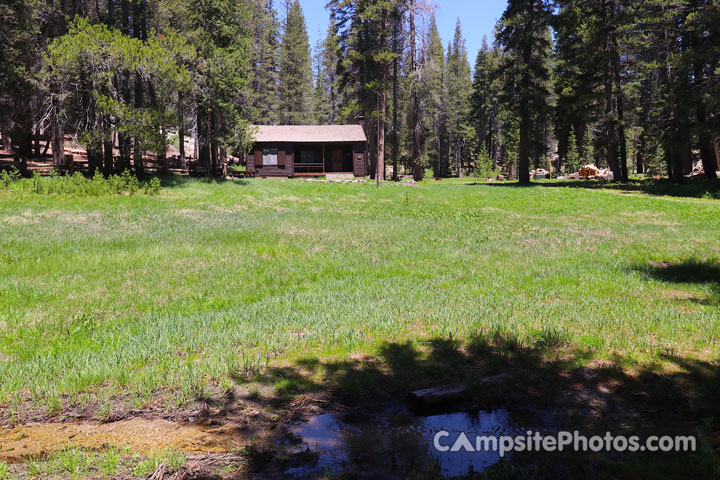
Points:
[[140, 434]]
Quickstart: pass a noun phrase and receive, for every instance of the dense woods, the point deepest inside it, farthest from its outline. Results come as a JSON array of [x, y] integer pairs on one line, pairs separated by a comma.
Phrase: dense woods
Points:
[[632, 86]]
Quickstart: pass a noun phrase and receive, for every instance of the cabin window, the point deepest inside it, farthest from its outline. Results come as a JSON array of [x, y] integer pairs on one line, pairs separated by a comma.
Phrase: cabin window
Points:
[[270, 157]]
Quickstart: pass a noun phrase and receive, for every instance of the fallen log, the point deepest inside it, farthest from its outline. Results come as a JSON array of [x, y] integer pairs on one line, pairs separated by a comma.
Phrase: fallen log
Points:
[[432, 397]]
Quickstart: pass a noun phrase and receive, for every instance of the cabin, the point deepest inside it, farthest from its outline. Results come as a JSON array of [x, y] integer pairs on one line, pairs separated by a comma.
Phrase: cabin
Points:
[[308, 150]]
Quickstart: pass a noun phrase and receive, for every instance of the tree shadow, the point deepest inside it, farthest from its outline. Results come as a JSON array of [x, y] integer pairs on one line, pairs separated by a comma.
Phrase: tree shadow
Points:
[[688, 272], [536, 375], [692, 188]]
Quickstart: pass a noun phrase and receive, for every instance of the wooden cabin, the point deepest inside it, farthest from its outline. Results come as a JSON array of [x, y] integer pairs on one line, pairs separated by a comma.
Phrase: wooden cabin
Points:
[[308, 150]]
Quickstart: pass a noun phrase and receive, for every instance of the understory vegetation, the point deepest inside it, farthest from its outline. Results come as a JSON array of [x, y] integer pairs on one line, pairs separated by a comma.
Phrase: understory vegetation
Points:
[[78, 185], [207, 283]]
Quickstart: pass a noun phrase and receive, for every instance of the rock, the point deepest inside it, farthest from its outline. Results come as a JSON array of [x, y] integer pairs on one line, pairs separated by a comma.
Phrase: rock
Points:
[[588, 171], [500, 178], [697, 171]]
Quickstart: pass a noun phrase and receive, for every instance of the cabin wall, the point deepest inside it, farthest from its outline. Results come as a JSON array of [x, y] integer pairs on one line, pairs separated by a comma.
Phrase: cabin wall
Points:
[[286, 160], [360, 164]]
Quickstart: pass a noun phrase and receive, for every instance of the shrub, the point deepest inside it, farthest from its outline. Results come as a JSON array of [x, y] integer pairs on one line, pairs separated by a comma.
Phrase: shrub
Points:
[[9, 176], [153, 186]]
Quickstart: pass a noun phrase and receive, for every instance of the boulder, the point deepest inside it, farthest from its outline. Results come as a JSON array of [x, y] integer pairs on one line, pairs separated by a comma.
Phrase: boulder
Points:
[[588, 171]]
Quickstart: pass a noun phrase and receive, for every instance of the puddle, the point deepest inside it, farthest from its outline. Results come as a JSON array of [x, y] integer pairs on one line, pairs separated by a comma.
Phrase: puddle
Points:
[[397, 442], [141, 435]]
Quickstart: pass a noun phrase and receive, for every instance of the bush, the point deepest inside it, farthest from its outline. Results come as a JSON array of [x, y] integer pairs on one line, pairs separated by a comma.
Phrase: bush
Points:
[[77, 184], [153, 186], [9, 176]]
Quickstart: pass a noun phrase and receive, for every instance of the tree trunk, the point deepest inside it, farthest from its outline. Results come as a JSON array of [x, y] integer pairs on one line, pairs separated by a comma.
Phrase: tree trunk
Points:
[[37, 142], [137, 15], [395, 134], [202, 142], [24, 139], [109, 166], [525, 123], [211, 146], [382, 106], [418, 172], [138, 161], [707, 148], [640, 164], [57, 135], [181, 131]]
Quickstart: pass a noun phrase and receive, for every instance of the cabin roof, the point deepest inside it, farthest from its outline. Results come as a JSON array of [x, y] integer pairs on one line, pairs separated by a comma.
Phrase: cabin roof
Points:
[[309, 133]]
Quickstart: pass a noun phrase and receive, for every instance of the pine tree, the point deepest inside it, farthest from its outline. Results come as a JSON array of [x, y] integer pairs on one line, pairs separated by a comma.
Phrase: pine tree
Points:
[[296, 78], [588, 150], [572, 159], [434, 100], [367, 53], [459, 85], [525, 37], [263, 79], [327, 84]]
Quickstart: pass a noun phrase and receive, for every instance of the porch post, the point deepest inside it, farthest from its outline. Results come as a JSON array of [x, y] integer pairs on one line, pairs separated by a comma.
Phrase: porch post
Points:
[[323, 157]]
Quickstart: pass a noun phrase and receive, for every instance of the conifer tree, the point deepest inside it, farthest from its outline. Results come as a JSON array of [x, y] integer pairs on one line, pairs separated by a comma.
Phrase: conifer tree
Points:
[[572, 159], [524, 35], [263, 79], [327, 84], [296, 82], [434, 100], [459, 85]]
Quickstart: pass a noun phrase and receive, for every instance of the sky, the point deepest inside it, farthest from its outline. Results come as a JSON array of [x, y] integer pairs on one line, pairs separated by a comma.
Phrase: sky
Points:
[[477, 18]]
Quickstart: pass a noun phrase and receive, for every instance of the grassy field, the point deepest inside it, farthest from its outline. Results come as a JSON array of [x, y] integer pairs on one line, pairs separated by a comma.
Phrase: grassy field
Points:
[[131, 294]]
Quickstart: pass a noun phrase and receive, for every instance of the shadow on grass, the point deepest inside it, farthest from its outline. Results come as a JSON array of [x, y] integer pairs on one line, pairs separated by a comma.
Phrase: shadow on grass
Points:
[[690, 272], [692, 188], [542, 375], [179, 181]]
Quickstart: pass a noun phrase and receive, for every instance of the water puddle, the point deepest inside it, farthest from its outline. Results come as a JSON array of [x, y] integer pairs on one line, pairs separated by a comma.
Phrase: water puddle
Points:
[[141, 435], [396, 442]]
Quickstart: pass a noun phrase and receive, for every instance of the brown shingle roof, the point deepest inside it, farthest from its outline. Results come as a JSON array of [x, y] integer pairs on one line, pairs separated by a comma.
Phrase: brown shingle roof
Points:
[[309, 133]]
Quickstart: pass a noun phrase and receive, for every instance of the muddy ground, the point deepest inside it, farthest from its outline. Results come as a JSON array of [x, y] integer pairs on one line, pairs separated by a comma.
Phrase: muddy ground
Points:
[[247, 432]]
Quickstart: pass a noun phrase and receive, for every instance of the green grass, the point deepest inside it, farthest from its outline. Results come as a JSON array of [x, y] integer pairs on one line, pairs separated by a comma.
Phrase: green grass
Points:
[[105, 462], [135, 293]]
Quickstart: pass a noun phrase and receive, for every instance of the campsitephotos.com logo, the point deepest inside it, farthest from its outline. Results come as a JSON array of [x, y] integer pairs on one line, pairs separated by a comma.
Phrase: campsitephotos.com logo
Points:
[[562, 441]]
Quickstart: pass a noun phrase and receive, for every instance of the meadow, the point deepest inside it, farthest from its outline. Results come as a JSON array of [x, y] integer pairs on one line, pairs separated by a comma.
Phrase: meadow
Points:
[[184, 289]]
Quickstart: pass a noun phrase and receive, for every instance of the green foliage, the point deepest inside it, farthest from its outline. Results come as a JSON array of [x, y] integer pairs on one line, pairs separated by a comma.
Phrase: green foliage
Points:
[[77, 185], [95, 55], [589, 147], [4, 471], [9, 176], [264, 76], [173, 459], [525, 36], [459, 89], [434, 103], [153, 187], [484, 167], [129, 182], [327, 84], [110, 461], [296, 78], [572, 159]]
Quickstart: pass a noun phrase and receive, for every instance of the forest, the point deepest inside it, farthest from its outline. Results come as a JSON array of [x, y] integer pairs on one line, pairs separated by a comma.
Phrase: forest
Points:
[[630, 86], [166, 316]]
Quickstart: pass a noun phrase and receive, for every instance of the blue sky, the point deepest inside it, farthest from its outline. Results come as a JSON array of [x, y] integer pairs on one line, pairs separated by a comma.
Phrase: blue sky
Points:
[[477, 18]]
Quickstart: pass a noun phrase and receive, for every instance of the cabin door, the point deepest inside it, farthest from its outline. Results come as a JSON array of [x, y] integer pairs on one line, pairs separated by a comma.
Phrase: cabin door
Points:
[[337, 160]]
